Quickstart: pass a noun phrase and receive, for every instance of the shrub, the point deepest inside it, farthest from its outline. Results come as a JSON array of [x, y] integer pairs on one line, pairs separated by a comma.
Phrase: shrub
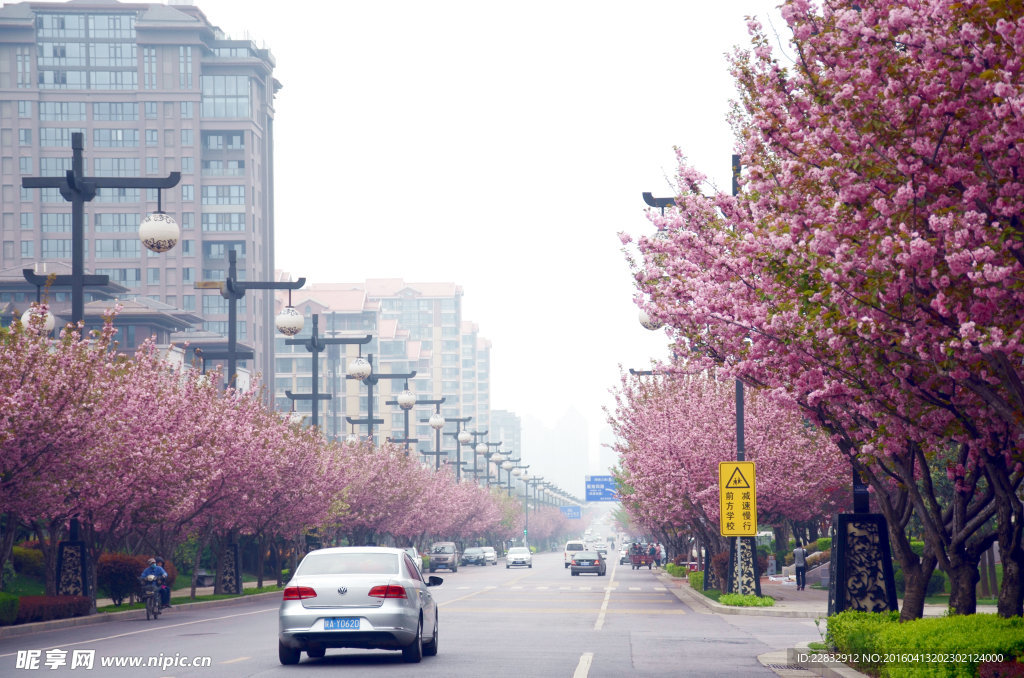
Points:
[[118, 574], [676, 570], [740, 600], [696, 580], [44, 608], [824, 544], [853, 631], [968, 635], [28, 562], [8, 608]]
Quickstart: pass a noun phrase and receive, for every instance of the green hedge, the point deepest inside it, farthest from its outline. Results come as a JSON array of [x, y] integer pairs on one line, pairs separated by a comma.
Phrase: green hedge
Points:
[[677, 570], [824, 543], [740, 600], [696, 580], [8, 608], [28, 562], [970, 636]]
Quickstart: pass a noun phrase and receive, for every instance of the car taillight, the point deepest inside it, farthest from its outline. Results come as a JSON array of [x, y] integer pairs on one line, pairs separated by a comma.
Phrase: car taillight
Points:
[[389, 591], [299, 593], [573, 562]]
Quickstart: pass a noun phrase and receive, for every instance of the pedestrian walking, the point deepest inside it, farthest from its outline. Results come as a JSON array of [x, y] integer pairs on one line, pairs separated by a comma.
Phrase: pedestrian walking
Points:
[[800, 560], [664, 555]]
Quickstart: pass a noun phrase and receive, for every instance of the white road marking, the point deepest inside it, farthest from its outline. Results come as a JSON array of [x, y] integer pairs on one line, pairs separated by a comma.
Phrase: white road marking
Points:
[[635, 588], [583, 668], [599, 624], [236, 660]]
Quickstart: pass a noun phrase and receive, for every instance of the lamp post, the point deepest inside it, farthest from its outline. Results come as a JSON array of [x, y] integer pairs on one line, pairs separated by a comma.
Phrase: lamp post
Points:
[[158, 232], [232, 289], [508, 465], [362, 369], [405, 400], [527, 481], [316, 345], [462, 437], [436, 422], [479, 448], [488, 454]]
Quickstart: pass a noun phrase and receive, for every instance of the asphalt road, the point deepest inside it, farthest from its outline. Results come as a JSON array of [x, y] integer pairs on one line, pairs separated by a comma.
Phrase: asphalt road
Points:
[[495, 621]]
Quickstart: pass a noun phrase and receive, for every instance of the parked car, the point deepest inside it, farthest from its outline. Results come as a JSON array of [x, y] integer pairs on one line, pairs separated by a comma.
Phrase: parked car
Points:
[[490, 555], [444, 554], [367, 597], [587, 562], [571, 548], [518, 556], [474, 555]]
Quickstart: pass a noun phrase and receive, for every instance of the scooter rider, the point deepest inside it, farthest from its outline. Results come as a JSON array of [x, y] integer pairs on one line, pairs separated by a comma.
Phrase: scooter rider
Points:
[[155, 567]]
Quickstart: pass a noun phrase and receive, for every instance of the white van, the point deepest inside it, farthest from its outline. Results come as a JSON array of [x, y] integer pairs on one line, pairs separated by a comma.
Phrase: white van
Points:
[[571, 548]]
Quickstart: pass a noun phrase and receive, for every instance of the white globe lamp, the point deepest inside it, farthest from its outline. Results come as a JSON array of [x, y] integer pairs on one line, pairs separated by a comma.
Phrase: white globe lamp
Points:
[[359, 368], [159, 232], [36, 318], [289, 321], [436, 421], [648, 322], [406, 399]]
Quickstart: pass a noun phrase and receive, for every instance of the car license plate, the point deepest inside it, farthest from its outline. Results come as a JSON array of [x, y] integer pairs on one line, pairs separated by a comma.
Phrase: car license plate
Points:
[[334, 623]]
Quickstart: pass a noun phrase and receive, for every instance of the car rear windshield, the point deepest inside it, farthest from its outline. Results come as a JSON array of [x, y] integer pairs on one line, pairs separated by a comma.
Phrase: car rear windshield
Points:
[[587, 555], [444, 548], [518, 550], [349, 563], [574, 546]]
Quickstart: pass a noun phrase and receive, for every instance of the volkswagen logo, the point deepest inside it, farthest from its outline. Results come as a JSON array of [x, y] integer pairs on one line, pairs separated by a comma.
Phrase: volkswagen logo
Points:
[[342, 590]]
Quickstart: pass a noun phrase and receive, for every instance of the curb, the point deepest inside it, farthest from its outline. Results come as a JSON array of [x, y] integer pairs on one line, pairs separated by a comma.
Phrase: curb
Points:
[[685, 592], [103, 617]]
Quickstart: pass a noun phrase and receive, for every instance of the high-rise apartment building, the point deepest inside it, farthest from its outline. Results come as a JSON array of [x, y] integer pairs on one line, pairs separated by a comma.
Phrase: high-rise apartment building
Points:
[[154, 88], [415, 327]]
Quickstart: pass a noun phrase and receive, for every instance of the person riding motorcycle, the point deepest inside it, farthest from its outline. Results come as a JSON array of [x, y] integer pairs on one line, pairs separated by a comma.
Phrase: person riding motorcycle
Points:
[[155, 567]]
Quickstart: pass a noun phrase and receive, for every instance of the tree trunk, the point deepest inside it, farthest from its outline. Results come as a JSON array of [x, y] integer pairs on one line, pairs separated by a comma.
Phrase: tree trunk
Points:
[[963, 577], [261, 545], [916, 574], [9, 529], [200, 545], [1010, 530]]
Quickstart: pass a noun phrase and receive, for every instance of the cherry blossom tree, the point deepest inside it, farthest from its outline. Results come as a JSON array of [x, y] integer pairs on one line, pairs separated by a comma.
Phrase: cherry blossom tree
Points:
[[865, 268]]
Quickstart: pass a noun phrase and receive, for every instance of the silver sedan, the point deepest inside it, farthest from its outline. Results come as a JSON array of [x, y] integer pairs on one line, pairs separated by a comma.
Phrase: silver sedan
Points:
[[361, 597]]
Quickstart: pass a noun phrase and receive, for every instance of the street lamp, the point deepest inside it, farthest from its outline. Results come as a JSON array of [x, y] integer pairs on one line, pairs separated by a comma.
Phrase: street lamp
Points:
[[478, 448], [405, 400], [462, 437], [436, 422], [316, 345], [362, 370], [527, 480], [488, 455], [156, 234], [232, 289]]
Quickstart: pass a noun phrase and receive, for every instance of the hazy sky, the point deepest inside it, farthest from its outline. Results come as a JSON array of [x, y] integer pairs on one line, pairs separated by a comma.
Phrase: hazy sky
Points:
[[501, 146]]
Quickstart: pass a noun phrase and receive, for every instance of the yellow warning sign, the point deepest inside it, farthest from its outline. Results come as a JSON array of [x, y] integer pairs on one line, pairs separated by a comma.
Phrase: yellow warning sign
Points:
[[737, 490]]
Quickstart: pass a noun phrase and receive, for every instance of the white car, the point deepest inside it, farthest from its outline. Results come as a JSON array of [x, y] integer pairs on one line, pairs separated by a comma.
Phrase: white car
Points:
[[518, 556], [490, 555]]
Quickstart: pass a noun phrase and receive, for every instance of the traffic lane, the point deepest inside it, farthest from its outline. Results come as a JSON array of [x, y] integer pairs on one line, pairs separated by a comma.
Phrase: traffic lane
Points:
[[168, 646]]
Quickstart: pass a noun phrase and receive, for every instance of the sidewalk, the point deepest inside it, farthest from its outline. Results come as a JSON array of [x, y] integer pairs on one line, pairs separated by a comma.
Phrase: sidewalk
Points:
[[185, 592], [810, 603]]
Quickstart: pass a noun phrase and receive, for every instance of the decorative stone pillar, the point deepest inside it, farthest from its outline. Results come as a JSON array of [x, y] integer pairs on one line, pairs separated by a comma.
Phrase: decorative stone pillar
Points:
[[72, 578], [861, 576], [749, 583], [230, 574]]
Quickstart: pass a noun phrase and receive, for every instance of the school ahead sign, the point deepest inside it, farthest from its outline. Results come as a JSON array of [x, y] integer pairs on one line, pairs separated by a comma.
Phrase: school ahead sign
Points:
[[601, 488], [737, 492]]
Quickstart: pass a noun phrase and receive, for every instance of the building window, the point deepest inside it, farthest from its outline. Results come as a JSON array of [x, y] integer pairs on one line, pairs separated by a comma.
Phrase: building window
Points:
[[188, 222], [62, 110], [55, 249], [151, 110], [187, 109], [25, 165], [115, 138], [187, 137], [24, 137], [116, 111], [118, 249], [188, 274], [28, 222], [152, 165], [152, 137], [225, 96], [115, 167], [149, 75], [185, 67], [153, 276], [188, 302], [188, 165], [223, 221], [188, 193], [224, 195], [23, 56], [28, 249]]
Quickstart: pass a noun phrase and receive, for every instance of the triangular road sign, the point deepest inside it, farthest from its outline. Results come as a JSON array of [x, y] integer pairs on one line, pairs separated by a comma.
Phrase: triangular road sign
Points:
[[737, 481]]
